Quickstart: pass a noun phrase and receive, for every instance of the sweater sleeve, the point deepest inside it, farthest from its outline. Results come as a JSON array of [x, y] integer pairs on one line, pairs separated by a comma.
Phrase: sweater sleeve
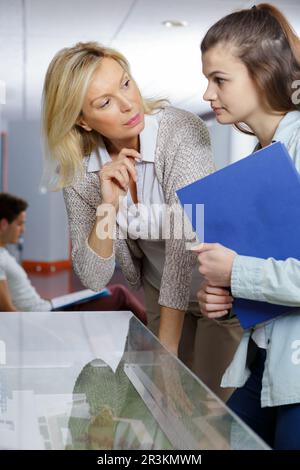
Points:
[[94, 271], [192, 161]]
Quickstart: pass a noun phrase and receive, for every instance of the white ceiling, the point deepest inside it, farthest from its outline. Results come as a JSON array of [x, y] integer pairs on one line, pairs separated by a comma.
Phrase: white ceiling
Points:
[[165, 61]]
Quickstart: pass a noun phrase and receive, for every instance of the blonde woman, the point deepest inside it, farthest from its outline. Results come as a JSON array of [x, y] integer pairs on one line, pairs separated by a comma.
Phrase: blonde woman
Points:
[[112, 149]]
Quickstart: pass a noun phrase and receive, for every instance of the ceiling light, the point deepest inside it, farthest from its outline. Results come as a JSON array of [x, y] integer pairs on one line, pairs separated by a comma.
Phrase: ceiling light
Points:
[[174, 23]]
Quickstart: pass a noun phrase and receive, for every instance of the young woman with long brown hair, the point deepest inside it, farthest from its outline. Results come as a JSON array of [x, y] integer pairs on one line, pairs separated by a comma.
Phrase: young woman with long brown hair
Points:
[[251, 59]]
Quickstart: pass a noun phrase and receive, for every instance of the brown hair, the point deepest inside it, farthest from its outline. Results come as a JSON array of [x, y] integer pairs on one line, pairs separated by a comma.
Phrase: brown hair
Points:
[[266, 43]]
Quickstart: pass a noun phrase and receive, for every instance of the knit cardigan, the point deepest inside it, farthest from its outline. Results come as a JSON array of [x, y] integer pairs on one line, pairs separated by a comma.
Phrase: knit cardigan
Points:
[[183, 155]]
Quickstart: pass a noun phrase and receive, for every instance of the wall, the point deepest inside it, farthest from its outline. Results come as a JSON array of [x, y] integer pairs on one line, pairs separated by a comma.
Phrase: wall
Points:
[[46, 237], [229, 145]]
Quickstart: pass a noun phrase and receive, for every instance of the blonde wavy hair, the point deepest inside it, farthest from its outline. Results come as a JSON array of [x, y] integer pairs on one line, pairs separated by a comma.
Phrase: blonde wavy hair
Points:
[[66, 83]]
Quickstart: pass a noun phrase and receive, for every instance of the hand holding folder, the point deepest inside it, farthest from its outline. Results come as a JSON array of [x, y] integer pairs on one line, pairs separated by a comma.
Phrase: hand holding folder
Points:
[[252, 207]]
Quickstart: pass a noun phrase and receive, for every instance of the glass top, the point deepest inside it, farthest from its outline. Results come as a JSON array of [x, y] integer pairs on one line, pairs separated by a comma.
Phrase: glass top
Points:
[[101, 380]]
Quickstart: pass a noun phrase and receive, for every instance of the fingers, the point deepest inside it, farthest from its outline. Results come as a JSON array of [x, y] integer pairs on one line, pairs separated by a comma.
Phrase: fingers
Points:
[[130, 168], [220, 314], [209, 289], [209, 293], [126, 156], [121, 168], [210, 308], [219, 310], [129, 153], [113, 173], [120, 179], [125, 176], [205, 247], [214, 302], [121, 172]]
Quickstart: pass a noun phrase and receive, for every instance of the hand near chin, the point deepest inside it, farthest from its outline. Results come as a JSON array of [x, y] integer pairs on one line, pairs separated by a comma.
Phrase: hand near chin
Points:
[[115, 176]]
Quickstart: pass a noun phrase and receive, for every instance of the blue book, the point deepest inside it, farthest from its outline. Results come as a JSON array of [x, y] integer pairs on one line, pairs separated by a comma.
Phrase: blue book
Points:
[[253, 207]]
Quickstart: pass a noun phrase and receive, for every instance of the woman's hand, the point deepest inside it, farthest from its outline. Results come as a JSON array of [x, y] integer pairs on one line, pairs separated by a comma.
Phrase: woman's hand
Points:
[[214, 302], [215, 263], [115, 176]]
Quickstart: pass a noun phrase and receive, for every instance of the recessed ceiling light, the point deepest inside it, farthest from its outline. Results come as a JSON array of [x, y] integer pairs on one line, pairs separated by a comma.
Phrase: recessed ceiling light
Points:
[[174, 23]]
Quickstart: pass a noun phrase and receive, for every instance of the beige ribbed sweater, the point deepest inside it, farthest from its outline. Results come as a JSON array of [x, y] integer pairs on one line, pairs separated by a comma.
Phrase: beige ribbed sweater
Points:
[[183, 155]]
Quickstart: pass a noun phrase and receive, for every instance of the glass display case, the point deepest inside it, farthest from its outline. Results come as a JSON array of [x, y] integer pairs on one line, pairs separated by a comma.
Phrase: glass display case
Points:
[[103, 381]]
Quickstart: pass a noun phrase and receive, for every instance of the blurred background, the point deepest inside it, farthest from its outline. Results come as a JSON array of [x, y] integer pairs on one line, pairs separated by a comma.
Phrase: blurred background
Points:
[[160, 38]]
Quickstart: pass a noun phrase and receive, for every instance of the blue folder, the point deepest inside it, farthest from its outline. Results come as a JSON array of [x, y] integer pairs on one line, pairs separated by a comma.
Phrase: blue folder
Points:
[[66, 300], [253, 207]]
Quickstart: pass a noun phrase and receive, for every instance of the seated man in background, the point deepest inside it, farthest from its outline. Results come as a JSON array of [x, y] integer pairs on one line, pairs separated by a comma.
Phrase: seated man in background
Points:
[[16, 290]]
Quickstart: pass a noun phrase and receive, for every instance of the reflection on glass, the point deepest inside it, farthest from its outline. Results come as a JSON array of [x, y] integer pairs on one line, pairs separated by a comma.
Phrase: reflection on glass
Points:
[[108, 413], [102, 381]]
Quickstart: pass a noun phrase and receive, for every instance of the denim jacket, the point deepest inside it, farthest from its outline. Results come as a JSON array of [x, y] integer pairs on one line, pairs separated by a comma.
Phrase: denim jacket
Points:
[[276, 282]]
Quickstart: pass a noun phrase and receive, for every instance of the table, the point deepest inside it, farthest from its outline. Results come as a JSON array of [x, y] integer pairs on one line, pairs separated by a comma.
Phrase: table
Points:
[[101, 380]]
